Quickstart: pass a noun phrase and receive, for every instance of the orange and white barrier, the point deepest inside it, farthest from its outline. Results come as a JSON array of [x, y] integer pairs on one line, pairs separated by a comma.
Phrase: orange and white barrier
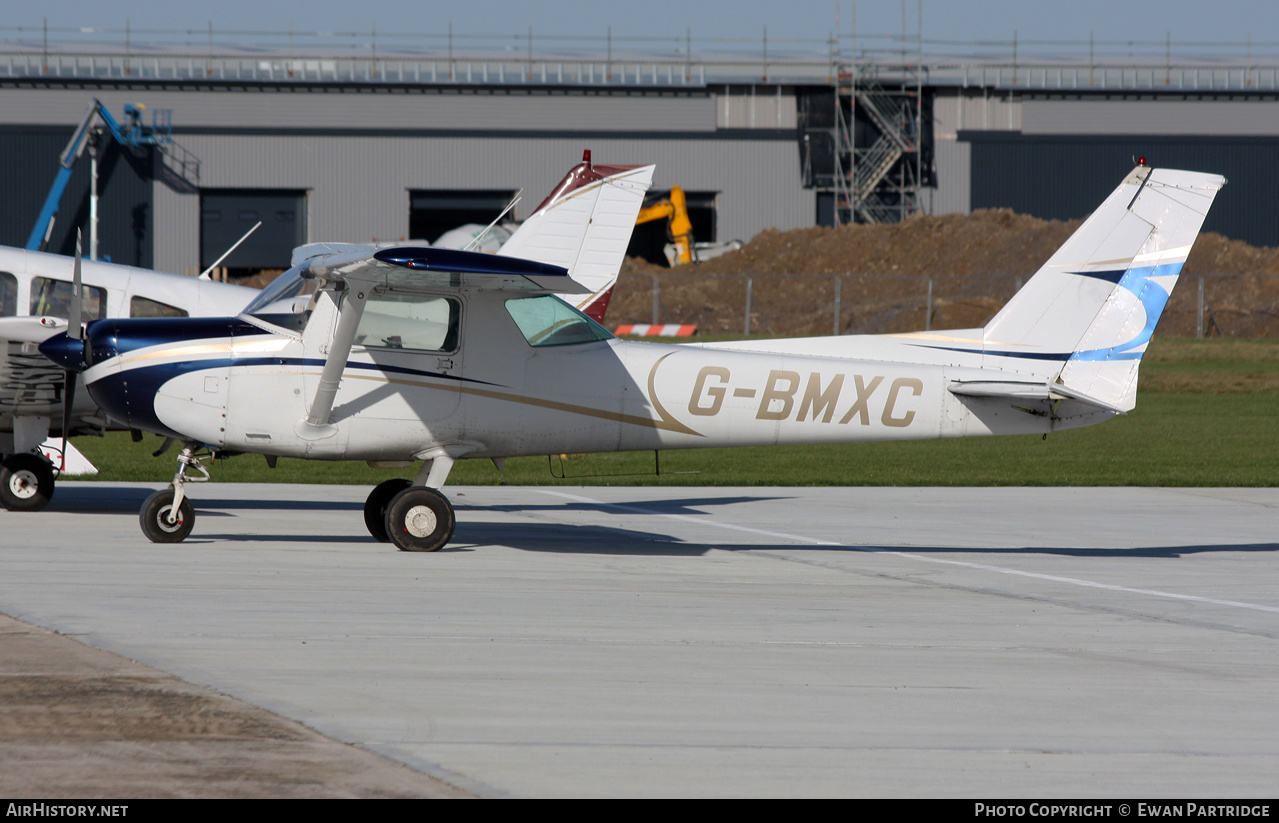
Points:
[[666, 330]]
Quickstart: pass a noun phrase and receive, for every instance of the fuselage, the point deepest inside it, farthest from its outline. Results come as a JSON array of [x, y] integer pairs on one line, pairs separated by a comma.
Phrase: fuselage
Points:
[[488, 386]]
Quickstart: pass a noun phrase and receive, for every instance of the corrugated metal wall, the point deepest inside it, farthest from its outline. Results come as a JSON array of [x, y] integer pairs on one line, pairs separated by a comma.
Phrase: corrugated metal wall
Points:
[[359, 186], [358, 152], [1178, 115], [1056, 155], [954, 179], [955, 110], [975, 109], [1066, 176], [347, 109], [756, 107], [125, 208]]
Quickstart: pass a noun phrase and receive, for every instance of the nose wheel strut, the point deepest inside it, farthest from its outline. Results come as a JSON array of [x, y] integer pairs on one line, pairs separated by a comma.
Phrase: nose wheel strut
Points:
[[168, 516]]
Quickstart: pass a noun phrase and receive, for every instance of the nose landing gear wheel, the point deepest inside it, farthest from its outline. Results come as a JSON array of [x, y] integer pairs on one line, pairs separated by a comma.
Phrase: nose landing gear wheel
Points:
[[376, 504], [419, 520], [155, 518], [26, 483]]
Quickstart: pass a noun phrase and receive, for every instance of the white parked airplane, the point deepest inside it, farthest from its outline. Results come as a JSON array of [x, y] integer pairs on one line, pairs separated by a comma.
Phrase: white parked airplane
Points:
[[584, 226], [35, 299], [410, 354]]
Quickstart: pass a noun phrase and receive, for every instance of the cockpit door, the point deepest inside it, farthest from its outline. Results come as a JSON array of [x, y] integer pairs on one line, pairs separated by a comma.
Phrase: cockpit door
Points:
[[406, 361]]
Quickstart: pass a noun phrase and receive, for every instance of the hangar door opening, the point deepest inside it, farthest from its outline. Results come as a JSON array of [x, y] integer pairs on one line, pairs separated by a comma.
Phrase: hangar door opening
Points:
[[432, 212], [226, 214]]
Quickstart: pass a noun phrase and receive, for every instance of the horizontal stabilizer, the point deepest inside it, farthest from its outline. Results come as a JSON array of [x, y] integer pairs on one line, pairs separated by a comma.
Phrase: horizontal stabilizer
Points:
[[1021, 390]]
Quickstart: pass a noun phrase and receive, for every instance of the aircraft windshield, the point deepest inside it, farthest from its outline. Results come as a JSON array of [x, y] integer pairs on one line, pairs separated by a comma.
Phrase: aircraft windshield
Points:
[[282, 290], [549, 321], [285, 300]]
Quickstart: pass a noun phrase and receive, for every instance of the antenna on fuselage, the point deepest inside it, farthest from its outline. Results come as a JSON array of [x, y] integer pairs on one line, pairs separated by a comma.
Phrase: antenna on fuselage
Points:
[[475, 241], [204, 275]]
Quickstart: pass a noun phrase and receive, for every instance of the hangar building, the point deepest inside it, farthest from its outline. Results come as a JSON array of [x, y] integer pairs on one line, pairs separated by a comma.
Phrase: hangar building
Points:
[[406, 146]]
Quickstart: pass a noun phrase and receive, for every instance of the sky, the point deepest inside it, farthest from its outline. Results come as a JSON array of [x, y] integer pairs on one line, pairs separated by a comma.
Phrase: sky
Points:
[[946, 25]]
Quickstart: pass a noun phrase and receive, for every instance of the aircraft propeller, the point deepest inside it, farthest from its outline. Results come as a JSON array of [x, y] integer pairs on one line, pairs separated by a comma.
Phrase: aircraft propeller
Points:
[[75, 331]]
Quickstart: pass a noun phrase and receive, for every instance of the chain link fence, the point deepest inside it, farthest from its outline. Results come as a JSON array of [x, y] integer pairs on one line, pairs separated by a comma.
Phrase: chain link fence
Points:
[[1203, 305]]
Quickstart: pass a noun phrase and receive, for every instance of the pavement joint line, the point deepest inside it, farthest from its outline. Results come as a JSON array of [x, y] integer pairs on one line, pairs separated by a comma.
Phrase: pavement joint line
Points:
[[965, 564]]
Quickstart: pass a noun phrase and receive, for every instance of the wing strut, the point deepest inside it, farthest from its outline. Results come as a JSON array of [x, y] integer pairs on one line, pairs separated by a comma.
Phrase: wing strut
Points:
[[316, 426]]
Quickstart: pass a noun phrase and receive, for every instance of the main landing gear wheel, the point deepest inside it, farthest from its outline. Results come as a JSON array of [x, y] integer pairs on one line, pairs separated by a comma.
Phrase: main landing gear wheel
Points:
[[26, 483], [419, 520], [155, 518], [376, 505]]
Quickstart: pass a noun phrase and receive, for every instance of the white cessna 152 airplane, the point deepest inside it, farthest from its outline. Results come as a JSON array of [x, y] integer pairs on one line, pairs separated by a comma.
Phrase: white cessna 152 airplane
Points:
[[407, 354], [584, 225]]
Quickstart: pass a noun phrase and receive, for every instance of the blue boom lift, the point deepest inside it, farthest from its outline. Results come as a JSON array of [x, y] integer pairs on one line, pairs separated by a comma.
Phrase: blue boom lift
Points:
[[96, 121]]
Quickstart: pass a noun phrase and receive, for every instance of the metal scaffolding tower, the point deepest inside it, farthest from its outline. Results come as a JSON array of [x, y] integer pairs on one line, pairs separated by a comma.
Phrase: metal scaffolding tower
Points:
[[878, 151]]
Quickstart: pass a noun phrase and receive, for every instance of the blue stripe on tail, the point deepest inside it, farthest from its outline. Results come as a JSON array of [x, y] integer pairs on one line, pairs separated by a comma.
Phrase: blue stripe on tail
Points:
[[1154, 297]]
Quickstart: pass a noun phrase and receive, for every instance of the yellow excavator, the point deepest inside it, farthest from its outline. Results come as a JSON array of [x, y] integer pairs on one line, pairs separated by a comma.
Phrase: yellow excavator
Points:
[[679, 229]]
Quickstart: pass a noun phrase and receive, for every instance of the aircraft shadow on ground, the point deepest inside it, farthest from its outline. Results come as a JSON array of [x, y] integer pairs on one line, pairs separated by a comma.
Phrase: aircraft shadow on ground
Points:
[[98, 499], [478, 536], [473, 532], [198, 538], [565, 539], [266, 505], [120, 500], [106, 499], [691, 506]]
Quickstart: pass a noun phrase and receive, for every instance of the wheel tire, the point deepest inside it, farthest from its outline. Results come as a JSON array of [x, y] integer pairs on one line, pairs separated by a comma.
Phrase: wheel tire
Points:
[[419, 520], [26, 483], [154, 518], [376, 504]]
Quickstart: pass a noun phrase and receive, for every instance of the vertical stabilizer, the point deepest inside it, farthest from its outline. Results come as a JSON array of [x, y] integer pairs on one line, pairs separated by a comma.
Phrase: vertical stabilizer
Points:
[[585, 226], [1089, 312]]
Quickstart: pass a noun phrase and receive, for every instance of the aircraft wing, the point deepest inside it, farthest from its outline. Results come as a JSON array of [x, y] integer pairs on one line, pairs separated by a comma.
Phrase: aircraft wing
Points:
[[31, 328], [301, 254], [407, 267]]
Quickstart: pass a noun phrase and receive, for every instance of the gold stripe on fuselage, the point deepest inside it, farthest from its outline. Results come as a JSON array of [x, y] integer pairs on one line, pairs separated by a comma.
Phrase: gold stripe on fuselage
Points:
[[232, 348], [667, 423]]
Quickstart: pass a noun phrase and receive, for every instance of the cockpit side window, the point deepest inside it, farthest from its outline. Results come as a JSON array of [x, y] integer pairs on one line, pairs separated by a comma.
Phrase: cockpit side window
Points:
[[549, 321], [140, 306], [53, 298], [403, 320], [8, 294]]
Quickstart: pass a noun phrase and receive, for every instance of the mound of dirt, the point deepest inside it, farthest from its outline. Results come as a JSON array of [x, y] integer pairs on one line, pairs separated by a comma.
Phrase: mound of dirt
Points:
[[993, 241], [986, 242], [975, 261]]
